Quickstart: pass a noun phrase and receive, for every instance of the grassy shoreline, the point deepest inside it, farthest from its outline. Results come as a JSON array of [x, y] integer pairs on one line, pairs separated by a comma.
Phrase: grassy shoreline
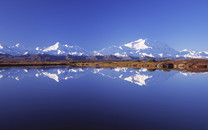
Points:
[[190, 65]]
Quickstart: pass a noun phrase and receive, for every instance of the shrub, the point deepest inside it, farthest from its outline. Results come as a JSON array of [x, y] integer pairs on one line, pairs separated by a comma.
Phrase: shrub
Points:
[[72, 62], [151, 60], [151, 70], [165, 60], [166, 70], [136, 61]]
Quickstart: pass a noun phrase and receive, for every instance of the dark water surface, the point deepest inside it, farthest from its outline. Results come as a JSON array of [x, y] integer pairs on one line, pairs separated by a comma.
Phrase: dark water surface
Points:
[[97, 98]]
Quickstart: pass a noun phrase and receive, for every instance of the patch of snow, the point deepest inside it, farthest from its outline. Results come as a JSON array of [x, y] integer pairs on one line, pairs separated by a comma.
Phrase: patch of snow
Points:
[[188, 74], [80, 54], [73, 70], [1, 47], [161, 54], [119, 55], [117, 69], [59, 52], [25, 53], [142, 70], [185, 74], [96, 53], [70, 77], [97, 70], [1, 76], [81, 70], [59, 71], [129, 44], [17, 78], [184, 50], [120, 69], [205, 52], [129, 79], [52, 76], [73, 53], [26, 70], [145, 54], [17, 45]]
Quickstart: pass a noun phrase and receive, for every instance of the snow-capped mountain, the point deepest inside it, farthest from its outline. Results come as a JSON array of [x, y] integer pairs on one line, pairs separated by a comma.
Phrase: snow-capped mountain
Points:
[[138, 48], [56, 49], [193, 54], [59, 49], [150, 48], [15, 50]]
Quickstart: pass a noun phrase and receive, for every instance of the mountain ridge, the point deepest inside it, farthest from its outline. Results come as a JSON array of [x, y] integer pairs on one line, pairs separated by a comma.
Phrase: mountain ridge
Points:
[[137, 48]]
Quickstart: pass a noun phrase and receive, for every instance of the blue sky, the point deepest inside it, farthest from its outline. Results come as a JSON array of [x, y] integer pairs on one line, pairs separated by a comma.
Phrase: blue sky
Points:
[[95, 24]]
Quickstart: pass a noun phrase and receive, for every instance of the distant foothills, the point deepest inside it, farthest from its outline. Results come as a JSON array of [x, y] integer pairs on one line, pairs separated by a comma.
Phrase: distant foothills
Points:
[[141, 49]]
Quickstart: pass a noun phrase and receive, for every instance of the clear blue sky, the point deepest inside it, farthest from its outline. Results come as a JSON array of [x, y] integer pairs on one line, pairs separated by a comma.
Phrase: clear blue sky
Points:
[[95, 24]]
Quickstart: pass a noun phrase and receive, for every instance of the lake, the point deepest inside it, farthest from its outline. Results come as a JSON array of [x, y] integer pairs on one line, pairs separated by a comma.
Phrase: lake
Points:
[[99, 98]]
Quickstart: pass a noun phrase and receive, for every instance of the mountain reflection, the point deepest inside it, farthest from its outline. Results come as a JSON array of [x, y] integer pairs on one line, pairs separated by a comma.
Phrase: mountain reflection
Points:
[[140, 77]]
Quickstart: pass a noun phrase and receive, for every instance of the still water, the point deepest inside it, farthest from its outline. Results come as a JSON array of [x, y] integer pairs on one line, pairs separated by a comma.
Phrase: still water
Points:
[[98, 98]]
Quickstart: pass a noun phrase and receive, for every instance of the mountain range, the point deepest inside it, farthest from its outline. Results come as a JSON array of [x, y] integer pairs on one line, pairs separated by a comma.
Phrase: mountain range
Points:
[[138, 48]]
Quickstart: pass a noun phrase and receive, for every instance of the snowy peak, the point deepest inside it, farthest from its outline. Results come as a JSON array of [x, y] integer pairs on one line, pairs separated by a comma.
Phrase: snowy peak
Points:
[[184, 50], [60, 49], [193, 54], [139, 48], [52, 48], [137, 45]]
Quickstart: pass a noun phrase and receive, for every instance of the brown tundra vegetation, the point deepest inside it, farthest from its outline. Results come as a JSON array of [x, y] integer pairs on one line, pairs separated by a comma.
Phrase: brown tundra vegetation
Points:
[[188, 65]]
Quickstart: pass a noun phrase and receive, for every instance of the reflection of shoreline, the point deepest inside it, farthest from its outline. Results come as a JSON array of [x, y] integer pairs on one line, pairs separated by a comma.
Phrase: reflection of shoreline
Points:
[[152, 69], [190, 65]]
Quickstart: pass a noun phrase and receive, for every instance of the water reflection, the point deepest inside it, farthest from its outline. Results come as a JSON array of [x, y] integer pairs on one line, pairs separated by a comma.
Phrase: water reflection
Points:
[[140, 77]]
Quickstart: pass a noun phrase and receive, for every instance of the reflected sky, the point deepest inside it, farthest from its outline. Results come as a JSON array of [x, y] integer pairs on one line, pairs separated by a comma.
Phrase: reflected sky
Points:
[[99, 98]]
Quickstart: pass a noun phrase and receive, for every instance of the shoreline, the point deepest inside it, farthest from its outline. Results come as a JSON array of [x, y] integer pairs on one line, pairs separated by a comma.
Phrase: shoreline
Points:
[[189, 65]]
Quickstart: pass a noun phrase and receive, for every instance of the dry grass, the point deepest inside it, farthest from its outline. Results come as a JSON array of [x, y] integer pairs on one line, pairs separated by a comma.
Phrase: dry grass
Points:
[[192, 65]]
